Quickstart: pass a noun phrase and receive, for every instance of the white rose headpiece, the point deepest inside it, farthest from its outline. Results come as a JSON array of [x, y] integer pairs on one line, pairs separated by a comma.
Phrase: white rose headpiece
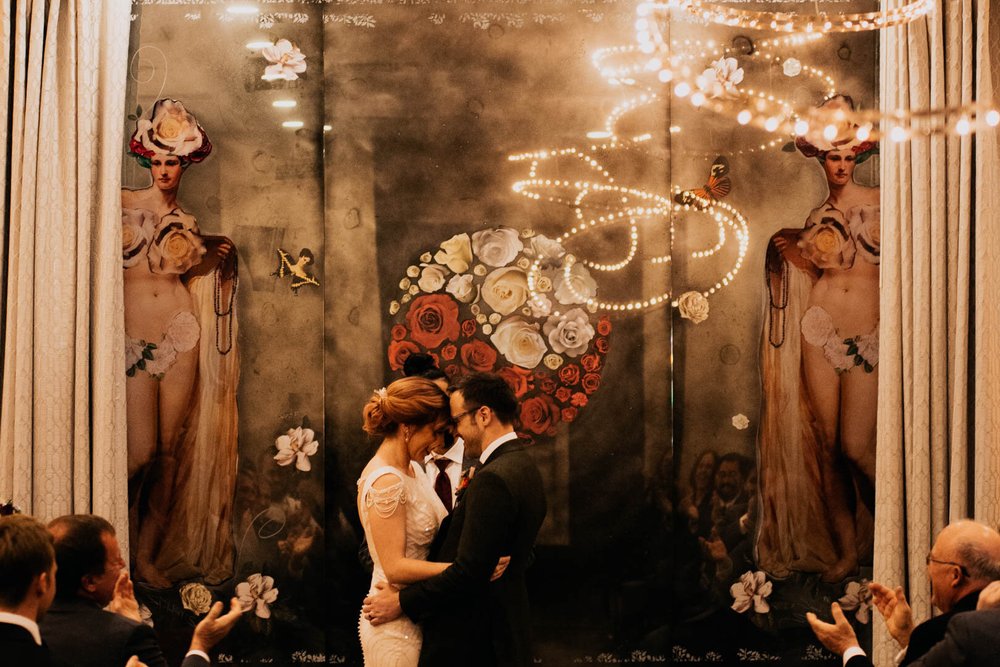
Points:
[[172, 130], [815, 144]]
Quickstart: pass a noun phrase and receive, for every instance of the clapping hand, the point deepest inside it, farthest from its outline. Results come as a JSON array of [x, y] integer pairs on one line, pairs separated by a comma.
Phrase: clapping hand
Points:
[[124, 602], [837, 636], [214, 627], [895, 610], [989, 598]]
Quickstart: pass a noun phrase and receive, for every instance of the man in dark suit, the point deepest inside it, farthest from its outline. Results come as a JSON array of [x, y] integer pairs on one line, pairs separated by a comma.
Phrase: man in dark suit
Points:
[[90, 577], [27, 586], [970, 641], [964, 560], [466, 618]]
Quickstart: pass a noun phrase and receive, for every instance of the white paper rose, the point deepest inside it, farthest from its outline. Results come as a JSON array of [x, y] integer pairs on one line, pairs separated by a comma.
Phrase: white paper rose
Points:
[[455, 253], [741, 422], [519, 342], [752, 589], [287, 61], [196, 598], [296, 445], [146, 615], [825, 241], [540, 305], [182, 332], [577, 288], [791, 67], [432, 278], [463, 288], [164, 357], [721, 78], [857, 598], [569, 333], [496, 247], [868, 348], [133, 351], [257, 593], [504, 290], [826, 115], [137, 232], [866, 225], [546, 249], [170, 131], [176, 246], [693, 306]]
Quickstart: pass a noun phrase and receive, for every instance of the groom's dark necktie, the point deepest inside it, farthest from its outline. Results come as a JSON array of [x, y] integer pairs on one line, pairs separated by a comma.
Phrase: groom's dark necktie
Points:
[[442, 485]]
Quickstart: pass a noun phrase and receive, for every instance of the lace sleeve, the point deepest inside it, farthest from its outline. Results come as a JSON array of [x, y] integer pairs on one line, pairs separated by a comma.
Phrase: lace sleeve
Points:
[[386, 501]]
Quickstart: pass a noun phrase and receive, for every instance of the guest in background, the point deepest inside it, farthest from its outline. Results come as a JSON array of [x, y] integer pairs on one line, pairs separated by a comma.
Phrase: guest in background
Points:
[[697, 499], [730, 501], [90, 577], [27, 586]]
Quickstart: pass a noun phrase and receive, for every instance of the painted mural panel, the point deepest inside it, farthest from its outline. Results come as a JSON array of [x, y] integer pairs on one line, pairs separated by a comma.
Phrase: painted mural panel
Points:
[[461, 180]]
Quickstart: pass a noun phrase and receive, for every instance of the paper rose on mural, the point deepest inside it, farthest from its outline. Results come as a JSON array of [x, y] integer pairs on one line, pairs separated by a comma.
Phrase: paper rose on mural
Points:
[[196, 598], [857, 598], [287, 61], [297, 445], [469, 306], [752, 590], [740, 422], [721, 78], [257, 593], [693, 306]]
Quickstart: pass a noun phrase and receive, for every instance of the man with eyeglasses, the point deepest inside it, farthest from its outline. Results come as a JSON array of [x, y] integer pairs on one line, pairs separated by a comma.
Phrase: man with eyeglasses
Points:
[[466, 618], [964, 560]]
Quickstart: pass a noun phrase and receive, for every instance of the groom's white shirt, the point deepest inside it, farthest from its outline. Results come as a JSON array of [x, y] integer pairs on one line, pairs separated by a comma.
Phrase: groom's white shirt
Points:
[[506, 437]]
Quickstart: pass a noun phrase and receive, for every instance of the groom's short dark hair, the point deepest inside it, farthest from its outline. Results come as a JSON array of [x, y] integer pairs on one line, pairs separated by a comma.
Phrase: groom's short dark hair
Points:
[[492, 391]]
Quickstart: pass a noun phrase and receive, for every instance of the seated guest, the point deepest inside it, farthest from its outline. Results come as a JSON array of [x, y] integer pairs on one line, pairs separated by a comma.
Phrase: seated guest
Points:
[[730, 501], [964, 560], [27, 586], [90, 576]]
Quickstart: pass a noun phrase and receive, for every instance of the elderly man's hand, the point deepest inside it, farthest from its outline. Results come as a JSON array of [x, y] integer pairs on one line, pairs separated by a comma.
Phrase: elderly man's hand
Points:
[[837, 636], [383, 606], [895, 610], [989, 598], [124, 603], [215, 626]]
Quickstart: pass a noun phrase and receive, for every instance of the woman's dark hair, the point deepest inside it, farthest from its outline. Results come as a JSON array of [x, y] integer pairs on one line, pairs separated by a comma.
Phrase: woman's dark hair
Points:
[[492, 391], [422, 365], [79, 549]]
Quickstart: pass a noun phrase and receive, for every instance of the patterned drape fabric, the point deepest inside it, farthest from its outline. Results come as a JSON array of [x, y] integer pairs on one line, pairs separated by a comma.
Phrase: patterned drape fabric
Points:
[[939, 346], [62, 418]]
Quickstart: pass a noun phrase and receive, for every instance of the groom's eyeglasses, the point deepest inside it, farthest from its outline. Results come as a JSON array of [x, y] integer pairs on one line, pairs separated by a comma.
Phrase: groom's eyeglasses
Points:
[[458, 418], [965, 572]]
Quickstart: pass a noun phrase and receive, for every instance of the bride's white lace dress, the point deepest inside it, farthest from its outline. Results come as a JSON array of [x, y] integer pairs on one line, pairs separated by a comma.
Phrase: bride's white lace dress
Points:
[[397, 643]]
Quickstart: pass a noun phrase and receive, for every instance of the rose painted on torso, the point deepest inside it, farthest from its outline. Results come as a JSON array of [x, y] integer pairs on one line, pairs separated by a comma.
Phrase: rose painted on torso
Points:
[[176, 246], [825, 241]]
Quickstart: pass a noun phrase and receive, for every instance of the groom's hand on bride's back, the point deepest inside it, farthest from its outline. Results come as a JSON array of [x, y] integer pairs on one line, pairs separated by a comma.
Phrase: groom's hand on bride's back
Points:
[[500, 568], [383, 606]]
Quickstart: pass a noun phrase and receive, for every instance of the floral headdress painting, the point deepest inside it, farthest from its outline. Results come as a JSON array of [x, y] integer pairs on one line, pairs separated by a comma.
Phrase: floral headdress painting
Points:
[[815, 144], [171, 130]]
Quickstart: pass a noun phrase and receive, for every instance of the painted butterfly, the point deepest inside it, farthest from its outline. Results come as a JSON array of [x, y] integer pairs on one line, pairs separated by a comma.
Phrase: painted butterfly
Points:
[[718, 186]]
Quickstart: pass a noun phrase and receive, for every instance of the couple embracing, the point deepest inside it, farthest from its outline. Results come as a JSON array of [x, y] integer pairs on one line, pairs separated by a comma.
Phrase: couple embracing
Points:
[[435, 600]]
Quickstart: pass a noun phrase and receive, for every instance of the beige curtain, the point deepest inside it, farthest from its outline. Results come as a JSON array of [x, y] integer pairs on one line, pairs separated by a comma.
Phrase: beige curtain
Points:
[[62, 417], [939, 346]]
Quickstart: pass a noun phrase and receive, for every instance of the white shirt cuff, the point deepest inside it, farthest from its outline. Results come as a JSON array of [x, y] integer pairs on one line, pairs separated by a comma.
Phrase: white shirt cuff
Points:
[[851, 652], [898, 660], [195, 651]]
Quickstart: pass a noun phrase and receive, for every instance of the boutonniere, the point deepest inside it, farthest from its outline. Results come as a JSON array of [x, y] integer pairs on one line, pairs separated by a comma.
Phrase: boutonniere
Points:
[[463, 481]]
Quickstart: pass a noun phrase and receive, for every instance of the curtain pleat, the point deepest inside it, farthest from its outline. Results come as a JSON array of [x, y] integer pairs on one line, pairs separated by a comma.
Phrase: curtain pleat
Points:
[[62, 417]]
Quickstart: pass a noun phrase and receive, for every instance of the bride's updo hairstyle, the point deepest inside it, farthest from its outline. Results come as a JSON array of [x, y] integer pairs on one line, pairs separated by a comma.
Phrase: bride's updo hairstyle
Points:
[[410, 400]]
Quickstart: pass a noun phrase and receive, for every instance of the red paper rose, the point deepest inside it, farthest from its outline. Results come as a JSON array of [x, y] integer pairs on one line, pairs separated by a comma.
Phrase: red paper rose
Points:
[[433, 318], [453, 371], [399, 350], [468, 328], [545, 383], [448, 352], [568, 414], [539, 414], [604, 326], [602, 345], [478, 356], [398, 332], [591, 381], [569, 374], [590, 362], [578, 399], [517, 378], [563, 394]]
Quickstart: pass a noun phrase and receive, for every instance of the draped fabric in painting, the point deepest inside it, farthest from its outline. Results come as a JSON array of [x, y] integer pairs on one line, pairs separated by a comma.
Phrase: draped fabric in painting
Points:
[[938, 345], [62, 421]]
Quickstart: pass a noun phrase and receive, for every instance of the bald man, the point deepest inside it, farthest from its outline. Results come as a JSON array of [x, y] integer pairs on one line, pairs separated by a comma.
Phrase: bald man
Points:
[[964, 560]]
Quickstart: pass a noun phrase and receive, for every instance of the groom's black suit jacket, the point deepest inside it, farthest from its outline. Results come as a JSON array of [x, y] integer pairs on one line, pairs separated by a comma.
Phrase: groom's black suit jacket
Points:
[[466, 619]]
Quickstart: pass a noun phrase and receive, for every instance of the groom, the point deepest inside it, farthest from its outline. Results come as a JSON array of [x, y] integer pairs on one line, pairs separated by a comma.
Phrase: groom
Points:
[[466, 618]]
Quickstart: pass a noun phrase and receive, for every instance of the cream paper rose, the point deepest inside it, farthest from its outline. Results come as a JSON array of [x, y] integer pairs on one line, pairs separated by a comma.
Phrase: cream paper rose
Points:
[[298, 444], [569, 333], [137, 232], [496, 247], [865, 223], [752, 590], [455, 253], [287, 61], [257, 593], [721, 78], [432, 278], [176, 246], [826, 115], [577, 288], [519, 342], [170, 130], [196, 598], [463, 288], [740, 422], [791, 67], [133, 351], [826, 242], [540, 305], [546, 249], [693, 306], [504, 290]]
